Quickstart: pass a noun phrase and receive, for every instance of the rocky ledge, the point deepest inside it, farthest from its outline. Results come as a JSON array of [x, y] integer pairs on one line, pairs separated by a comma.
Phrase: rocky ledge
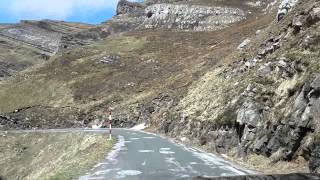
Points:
[[190, 17], [183, 16]]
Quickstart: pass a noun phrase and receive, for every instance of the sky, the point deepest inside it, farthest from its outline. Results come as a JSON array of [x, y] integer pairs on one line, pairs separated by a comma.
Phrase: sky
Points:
[[86, 11]]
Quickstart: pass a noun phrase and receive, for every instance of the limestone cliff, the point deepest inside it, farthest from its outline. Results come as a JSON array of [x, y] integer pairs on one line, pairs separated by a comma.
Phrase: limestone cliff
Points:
[[194, 17]]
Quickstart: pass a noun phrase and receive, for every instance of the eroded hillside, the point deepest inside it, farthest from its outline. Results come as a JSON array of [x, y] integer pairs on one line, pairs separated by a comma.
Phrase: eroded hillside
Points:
[[30, 43]]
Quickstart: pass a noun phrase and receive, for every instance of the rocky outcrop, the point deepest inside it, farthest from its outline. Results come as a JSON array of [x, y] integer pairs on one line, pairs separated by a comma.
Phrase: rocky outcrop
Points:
[[186, 17], [126, 7], [167, 15], [286, 127]]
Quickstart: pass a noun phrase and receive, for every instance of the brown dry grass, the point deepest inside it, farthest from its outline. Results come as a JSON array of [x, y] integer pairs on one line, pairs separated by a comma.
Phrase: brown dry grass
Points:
[[150, 62], [50, 155]]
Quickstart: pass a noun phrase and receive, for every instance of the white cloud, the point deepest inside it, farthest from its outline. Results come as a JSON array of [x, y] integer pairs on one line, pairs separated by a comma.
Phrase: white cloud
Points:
[[55, 9]]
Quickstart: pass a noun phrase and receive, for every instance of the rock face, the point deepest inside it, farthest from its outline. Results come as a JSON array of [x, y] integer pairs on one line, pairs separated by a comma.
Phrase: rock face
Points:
[[166, 15], [244, 44], [186, 17], [47, 41], [44, 35]]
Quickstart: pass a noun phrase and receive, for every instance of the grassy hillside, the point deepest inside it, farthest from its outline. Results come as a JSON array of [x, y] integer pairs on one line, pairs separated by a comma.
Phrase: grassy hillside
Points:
[[124, 71]]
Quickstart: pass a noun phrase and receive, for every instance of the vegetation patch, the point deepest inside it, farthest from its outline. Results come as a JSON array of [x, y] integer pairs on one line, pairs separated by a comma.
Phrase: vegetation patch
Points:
[[50, 155]]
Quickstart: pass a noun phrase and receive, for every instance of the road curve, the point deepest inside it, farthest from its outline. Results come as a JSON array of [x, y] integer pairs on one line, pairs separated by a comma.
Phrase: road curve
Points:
[[144, 156], [140, 155]]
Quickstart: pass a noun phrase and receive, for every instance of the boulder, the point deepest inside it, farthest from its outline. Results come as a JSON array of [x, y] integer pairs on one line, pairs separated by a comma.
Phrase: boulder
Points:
[[244, 44], [297, 23], [110, 59], [264, 70], [285, 7]]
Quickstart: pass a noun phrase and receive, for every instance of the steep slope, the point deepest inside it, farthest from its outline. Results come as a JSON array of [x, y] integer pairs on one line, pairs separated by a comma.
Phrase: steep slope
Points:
[[29, 43], [264, 103]]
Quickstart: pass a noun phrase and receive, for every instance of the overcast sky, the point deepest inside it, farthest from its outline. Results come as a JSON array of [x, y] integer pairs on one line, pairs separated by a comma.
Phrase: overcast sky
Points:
[[88, 11]]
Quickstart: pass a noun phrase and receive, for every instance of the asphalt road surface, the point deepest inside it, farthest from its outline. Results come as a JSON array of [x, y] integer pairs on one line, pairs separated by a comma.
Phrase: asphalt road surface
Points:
[[144, 156]]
